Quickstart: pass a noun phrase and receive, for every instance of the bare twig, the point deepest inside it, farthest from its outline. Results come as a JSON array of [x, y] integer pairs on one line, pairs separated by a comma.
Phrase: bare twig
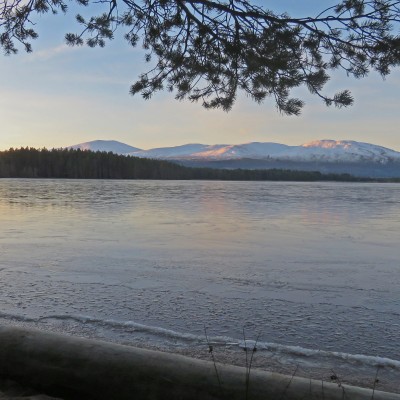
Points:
[[338, 381], [376, 381], [249, 362], [289, 383], [211, 351]]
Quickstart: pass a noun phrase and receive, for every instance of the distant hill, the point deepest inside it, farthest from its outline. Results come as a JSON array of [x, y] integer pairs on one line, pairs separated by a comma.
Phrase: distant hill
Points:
[[326, 156], [105, 145], [319, 150]]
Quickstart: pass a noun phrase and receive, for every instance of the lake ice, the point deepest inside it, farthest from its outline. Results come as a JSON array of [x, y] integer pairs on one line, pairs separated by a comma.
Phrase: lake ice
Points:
[[310, 269]]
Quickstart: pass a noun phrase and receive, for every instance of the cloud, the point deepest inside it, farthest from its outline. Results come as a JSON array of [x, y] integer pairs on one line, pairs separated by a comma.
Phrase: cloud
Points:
[[52, 52]]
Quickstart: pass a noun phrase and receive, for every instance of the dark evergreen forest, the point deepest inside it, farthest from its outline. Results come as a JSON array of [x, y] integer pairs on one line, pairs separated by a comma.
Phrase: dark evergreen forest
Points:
[[78, 164]]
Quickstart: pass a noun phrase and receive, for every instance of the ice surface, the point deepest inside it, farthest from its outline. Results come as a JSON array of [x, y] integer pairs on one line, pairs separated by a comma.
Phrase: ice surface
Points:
[[312, 268]]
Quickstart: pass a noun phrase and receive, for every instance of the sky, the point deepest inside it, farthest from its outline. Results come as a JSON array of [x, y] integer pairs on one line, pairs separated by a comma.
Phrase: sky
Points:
[[59, 96]]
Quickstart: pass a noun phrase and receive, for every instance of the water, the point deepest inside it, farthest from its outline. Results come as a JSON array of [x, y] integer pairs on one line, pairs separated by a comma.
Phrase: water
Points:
[[310, 270]]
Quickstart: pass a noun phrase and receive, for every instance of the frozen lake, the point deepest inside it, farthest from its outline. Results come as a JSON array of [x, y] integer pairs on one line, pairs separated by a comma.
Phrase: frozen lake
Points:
[[311, 269]]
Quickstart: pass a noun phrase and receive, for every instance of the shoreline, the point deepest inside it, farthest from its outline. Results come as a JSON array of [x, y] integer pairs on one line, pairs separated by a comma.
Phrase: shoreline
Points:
[[63, 365], [263, 362], [308, 368]]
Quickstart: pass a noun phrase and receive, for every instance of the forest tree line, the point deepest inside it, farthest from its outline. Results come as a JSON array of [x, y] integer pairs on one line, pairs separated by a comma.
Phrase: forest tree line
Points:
[[82, 164]]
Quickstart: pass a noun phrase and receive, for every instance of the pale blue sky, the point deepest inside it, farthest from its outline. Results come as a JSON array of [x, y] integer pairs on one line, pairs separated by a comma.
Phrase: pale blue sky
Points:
[[58, 96]]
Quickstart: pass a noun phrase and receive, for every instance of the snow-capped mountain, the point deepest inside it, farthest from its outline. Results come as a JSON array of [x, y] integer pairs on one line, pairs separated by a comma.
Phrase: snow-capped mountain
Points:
[[327, 156], [340, 151], [253, 150], [105, 145], [319, 150], [171, 152]]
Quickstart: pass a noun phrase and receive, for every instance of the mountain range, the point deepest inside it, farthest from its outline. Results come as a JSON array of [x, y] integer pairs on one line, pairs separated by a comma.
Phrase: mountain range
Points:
[[343, 156]]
